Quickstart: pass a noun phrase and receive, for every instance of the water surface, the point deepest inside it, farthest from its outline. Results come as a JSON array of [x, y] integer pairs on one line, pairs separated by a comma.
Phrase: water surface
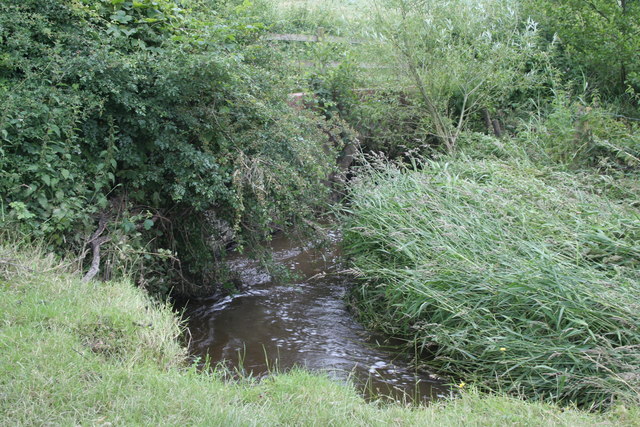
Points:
[[269, 325]]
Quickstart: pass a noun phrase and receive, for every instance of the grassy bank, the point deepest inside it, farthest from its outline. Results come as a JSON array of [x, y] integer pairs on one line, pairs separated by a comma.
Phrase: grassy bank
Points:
[[508, 276], [99, 353]]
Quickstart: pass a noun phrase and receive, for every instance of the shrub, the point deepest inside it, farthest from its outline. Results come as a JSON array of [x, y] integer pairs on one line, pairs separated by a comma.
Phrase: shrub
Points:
[[599, 37], [158, 113], [454, 58], [575, 132]]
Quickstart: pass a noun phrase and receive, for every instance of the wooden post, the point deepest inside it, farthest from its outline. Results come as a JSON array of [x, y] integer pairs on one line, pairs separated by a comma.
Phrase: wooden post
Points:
[[487, 120], [497, 129]]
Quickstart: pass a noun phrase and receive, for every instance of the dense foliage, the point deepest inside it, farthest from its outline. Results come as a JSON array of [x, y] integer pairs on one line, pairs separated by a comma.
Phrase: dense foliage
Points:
[[168, 117], [510, 257], [503, 274], [425, 75], [504, 258], [600, 38]]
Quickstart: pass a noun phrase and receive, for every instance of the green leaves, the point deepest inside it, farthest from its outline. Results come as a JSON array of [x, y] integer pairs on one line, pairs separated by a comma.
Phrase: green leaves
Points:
[[601, 37], [449, 59], [21, 211], [121, 17], [137, 107]]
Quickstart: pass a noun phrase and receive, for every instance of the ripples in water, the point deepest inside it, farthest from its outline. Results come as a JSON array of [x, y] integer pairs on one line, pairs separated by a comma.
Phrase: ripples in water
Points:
[[269, 326]]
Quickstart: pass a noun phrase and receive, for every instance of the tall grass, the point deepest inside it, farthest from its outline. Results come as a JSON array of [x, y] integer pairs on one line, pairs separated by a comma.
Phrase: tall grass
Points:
[[74, 353], [336, 17], [520, 280]]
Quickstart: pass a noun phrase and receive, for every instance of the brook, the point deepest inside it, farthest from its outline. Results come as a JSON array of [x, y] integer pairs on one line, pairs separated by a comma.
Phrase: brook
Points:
[[268, 326]]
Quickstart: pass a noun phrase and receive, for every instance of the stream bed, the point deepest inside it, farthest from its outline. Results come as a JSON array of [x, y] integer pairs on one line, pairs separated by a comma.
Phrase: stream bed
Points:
[[269, 326]]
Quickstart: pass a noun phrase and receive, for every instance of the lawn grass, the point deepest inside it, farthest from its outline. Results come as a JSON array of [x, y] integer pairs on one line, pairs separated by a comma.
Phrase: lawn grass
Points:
[[104, 354], [505, 275]]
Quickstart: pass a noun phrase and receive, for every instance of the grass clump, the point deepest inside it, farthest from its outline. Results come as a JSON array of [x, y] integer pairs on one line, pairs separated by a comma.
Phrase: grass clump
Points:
[[522, 280], [104, 354]]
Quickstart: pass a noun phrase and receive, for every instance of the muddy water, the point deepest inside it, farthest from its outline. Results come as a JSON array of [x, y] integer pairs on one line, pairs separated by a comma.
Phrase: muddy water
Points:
[[269, 326]]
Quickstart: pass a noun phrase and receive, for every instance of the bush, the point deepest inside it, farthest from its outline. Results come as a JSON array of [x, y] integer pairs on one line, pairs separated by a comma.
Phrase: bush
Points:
[[158, 113], [600, 38], [575, 132], [521, 280], [454, 58]]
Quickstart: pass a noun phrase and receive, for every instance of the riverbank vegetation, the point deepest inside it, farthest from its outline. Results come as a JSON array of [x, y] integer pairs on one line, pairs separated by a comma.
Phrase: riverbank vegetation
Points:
[[502, 244], [98, 353], [502, 274], [492, 218], [147, 123]]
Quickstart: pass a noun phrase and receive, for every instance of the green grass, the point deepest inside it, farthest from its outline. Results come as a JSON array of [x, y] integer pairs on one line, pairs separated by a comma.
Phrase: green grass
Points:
[[503, 275], [92, 354], [337, 17]]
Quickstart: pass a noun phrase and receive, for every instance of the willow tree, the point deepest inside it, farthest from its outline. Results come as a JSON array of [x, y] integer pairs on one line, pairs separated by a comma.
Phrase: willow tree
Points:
[[455, 57]]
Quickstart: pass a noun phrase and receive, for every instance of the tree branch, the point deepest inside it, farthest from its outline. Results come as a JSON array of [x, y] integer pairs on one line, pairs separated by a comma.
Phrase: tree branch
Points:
[[96, 241]]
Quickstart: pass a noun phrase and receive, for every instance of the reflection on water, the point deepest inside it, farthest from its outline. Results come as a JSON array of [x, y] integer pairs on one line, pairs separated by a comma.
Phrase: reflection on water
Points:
[[268, 325]]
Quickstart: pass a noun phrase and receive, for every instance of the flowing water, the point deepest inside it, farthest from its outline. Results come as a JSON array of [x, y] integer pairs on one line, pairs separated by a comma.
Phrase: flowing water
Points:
[[267, 326]]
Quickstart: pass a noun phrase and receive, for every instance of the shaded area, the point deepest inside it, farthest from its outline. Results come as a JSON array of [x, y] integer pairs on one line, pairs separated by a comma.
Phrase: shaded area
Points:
[[270, 326]]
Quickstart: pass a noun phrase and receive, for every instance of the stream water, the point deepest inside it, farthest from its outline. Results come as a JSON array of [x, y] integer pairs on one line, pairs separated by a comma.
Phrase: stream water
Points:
[[267, 326]]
